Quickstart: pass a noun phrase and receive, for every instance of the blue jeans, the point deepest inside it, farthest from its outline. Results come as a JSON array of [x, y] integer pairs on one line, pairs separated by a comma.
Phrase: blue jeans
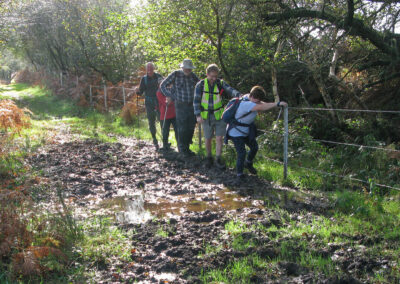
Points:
[[240, 143], [186, 123]]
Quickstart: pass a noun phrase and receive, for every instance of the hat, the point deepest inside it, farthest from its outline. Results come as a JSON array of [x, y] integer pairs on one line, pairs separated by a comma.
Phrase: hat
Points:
[[187, 64]]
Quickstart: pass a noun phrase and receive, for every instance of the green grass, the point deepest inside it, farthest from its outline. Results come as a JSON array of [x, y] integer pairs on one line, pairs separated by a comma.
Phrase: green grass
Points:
[[51, 112], [236, 227], [239, 271], [162, 233], [102, 242]]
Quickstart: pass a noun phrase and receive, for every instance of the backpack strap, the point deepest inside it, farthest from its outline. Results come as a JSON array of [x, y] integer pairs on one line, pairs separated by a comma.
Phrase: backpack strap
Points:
[[220, 86]]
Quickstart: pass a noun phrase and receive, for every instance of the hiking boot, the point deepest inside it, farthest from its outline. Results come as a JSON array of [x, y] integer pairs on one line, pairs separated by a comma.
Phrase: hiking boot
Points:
[[166, 147], [189, 153], [219, 163], [249, 166], [239, 180], [209, 162]]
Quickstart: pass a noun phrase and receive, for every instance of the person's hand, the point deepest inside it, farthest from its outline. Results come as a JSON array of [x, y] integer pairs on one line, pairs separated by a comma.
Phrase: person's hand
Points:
[[199, 119], [282, 104], [136, 90], [168, 100]]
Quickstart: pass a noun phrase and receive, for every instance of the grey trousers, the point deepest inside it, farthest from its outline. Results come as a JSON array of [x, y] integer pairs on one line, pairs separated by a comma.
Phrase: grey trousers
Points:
[[186, 123]]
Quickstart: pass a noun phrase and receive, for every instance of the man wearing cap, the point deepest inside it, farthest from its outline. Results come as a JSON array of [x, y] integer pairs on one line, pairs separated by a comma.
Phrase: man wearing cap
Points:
[[208, 108], [149, 85], [183, 82]]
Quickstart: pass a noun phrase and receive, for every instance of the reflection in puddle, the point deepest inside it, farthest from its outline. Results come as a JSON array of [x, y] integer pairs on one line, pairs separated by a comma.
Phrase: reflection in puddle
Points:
[[138, 210], [165, 277], [133, 211]]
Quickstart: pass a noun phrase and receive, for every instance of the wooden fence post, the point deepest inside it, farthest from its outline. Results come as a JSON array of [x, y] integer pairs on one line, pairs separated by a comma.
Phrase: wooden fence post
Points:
[[285, 142], [90, 96], [105, 97], [123, 94]]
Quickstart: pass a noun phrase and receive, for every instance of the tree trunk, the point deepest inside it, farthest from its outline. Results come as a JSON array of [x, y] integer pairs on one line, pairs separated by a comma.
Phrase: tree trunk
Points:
[[274, 71]]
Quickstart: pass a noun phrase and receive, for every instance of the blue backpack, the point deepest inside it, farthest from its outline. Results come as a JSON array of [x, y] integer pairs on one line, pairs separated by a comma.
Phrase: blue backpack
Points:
[[228, 116]]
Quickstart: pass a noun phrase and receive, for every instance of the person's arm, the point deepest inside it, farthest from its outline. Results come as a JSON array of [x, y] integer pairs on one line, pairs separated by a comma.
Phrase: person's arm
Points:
[[166, 82], [195, 78], [197, 101], [229, 90], [263, 106], [140, 90]]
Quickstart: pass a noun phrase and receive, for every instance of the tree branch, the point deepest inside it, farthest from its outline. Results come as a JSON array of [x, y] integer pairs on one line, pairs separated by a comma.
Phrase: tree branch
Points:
[[357, 27]]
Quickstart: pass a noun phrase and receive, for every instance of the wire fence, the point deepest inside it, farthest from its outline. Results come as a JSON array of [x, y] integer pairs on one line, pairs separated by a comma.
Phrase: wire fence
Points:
[[290, 159], [106, 97], [374, 158]]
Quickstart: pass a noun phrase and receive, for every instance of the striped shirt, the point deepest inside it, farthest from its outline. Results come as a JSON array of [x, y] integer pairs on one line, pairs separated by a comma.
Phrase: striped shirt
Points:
[[198, 93], [182, 86]]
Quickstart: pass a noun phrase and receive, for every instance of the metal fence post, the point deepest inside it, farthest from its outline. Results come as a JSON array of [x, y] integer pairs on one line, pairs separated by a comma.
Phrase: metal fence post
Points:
[[285, 141], [123, 94], [105, 97]]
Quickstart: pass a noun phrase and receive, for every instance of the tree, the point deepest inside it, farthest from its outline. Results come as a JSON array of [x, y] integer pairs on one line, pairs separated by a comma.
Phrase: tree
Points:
[[373, 21]]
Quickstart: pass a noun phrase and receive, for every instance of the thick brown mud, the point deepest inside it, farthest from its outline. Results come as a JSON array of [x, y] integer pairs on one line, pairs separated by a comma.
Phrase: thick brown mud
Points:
[[151, 191]]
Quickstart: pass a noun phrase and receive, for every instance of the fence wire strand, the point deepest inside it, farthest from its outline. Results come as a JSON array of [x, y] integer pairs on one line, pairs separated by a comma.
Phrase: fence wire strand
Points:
[[356, 145], [346, 110], [344, 177]]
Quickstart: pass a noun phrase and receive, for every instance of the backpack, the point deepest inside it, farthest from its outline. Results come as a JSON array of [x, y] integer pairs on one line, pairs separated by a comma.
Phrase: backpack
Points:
[[228, 116], [145, 78]]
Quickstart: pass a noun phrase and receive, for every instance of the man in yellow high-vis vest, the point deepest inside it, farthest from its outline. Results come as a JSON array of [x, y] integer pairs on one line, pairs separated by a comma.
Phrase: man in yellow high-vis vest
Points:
[[208, 109]]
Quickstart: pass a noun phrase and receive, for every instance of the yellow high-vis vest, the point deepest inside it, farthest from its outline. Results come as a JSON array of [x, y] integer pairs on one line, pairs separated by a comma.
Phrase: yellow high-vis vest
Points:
[[217, 101]]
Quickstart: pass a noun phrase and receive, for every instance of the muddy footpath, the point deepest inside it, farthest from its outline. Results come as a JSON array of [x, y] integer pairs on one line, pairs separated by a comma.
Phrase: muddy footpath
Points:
[[149, 191]]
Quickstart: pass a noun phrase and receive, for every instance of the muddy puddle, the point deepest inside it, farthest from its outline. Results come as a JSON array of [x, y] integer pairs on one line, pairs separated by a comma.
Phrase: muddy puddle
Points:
[[140, 208]]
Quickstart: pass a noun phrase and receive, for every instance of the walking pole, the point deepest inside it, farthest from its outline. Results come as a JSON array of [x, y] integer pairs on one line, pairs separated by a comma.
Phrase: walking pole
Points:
[[165, 116]]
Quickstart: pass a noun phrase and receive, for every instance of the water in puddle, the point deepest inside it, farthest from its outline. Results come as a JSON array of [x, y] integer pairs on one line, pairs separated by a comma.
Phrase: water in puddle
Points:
[[138, 210]]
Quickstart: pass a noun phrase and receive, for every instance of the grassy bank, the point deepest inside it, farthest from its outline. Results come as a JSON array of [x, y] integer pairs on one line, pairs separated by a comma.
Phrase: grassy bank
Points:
[[64, 249]]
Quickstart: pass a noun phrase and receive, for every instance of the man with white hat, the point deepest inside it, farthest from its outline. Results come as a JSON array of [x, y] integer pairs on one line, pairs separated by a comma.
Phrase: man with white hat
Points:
[[183, 82]]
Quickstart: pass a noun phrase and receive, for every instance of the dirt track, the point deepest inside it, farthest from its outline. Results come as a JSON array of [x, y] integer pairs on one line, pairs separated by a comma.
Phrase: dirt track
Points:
[[132, 182]]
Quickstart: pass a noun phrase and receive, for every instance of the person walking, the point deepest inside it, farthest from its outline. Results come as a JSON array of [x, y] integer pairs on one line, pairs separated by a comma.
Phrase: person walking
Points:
[[208, 109], [183, 82], [149, 85], [246, 113], [167, 117]]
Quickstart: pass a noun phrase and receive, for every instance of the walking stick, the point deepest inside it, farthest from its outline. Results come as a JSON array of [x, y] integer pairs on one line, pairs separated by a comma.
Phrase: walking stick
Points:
[[165, 116]]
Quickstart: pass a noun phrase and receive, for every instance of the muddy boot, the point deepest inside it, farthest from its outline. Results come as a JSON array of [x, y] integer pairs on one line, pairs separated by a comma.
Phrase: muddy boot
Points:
[[249, 165], [219, 163], [240, 179], [166, 147], [155, 142], [209, 162], [189, 153]]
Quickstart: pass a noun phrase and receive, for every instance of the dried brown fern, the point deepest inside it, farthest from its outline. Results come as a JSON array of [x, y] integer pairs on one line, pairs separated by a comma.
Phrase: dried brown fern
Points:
[[12, 120]]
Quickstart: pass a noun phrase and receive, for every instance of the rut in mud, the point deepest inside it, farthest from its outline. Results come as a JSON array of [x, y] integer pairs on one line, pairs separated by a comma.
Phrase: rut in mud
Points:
[[135, 184]]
